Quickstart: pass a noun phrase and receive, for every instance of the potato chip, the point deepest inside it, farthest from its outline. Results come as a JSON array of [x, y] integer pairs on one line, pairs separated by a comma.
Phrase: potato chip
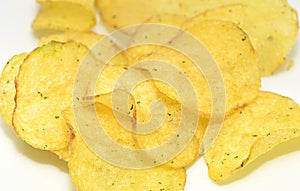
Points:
[[77, 15], [252, 131], [103, 105], [236, 60], [272, 34], [7, 87], [43, 89], [269, 31], [144, 94], [119, 13], [87, 38], [168, 128], [233, 54], [12, 68], [90, 172]]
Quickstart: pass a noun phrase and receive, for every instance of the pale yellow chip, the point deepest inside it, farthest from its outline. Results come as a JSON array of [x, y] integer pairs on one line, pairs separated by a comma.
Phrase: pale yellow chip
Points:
[[7, 87], [272, 34], [87, 38], [11, 70], [272, 25], [122, 13], [144, 94], [252, 131], [77, 15], [91, 173], [233, 54], [44, 88]]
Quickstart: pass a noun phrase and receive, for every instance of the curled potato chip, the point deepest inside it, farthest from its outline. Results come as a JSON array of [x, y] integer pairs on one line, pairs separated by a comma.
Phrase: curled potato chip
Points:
[[78, 15], [87, 38], [7, 87], [252, 131], [269, 31], [43, 89]]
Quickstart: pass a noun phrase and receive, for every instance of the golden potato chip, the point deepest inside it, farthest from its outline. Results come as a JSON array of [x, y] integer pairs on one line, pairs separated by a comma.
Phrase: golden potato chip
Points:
[[90, 172], [43, 89], [233, 54], [252, 131], [77, 15], [269, 31], [87, 38], [7, 87]]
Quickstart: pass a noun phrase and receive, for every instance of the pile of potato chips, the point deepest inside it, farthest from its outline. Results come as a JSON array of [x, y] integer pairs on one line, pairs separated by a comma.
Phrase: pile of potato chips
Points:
[[247, 39]]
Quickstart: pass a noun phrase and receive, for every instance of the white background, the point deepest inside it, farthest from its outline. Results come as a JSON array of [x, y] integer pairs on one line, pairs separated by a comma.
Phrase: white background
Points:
[[24, 168]]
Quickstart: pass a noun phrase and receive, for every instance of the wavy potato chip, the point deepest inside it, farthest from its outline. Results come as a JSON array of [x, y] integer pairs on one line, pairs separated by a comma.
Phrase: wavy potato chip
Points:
[[7, 87], [231, 49], [77, 15], [252, 131], [272, 25], [87, 38], [43, 89], [145, 94]]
